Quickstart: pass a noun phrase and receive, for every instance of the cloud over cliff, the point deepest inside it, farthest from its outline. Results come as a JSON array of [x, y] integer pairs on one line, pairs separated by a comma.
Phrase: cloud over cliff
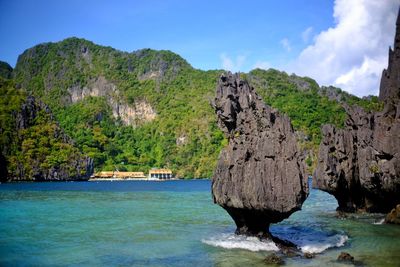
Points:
[[352, 54]]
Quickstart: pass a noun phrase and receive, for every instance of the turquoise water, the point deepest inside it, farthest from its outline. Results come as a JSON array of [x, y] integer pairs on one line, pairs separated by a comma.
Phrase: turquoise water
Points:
[[173, 223]]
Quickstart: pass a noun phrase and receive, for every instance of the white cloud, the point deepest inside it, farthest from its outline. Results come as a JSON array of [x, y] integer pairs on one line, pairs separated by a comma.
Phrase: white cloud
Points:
[[306, 34], [286, 44], [262, 65], [232, 65], [362, 76], [353, 53]]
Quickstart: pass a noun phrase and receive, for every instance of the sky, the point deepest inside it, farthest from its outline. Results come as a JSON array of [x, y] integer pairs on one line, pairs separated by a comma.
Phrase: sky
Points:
[[342, 43]]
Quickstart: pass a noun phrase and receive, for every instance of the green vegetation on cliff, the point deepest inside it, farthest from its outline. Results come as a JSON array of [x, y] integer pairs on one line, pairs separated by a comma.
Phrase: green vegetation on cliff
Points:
[[5, 70], [182, 135], [32, 144], [299, 98], [307, 104], [134, 111]]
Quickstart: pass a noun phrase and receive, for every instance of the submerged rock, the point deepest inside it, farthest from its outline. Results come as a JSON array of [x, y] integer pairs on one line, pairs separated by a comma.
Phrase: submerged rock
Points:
[[360, 164], [274, 259], [346, 257], [259, 178], [308, 255]]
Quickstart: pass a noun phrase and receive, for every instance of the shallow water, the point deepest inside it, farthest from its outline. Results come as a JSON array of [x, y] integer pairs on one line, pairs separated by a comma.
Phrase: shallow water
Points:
[[173, 223]]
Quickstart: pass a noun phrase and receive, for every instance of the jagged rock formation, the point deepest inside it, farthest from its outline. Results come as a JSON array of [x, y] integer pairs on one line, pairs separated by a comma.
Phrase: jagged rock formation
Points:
[[360, 164], [259, 178], [389, 91]]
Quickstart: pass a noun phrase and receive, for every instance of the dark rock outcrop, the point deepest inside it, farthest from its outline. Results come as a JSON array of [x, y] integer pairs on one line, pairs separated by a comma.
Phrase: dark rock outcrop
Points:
[[259, 178], [389, 90], [360, 164], [3, 167], [393, 217]]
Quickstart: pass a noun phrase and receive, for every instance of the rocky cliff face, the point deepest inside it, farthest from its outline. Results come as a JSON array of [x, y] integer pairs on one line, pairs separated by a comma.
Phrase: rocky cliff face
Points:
[[389, 91], [134, 114], [259, 178], [75, 68], [43, 166], [360, 164]]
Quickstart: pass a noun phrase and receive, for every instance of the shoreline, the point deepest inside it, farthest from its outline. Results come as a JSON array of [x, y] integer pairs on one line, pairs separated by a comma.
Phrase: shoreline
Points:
[[130, 179], [102, 180]]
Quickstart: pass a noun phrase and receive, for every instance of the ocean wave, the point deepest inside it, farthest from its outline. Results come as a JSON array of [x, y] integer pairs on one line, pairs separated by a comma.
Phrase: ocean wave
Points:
[[316, 243], [381, 221], [318, 247], [232, 241]]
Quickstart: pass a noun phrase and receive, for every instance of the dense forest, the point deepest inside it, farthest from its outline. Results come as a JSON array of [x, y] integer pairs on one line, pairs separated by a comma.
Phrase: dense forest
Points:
[[134, 111]]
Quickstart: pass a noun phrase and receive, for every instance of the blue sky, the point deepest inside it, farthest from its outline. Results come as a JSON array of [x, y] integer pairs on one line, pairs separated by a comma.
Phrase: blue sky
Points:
[[235, 35]]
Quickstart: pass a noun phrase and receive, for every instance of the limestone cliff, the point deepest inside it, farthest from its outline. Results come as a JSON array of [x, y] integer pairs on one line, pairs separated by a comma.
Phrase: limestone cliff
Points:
[[360, 164], [259, 178], [68, 71], [33, 146], [133, 114]]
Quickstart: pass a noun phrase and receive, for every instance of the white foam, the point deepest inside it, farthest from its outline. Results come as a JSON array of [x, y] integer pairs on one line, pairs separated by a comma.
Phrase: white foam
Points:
[[232, 241], [334, 241], [381, 221]]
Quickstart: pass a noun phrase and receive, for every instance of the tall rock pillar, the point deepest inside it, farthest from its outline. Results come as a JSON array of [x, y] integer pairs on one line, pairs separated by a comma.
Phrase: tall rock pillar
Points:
[[259, 178]]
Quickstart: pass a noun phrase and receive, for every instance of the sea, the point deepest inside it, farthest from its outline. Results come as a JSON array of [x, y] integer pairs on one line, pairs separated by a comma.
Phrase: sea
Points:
[[171, 223]]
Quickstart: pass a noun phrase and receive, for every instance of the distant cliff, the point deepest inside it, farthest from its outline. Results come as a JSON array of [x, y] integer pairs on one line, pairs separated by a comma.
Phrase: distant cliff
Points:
[[76, 69], [360, 164], [5, 70], [146, 108], [33, 146], [130, 111]]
